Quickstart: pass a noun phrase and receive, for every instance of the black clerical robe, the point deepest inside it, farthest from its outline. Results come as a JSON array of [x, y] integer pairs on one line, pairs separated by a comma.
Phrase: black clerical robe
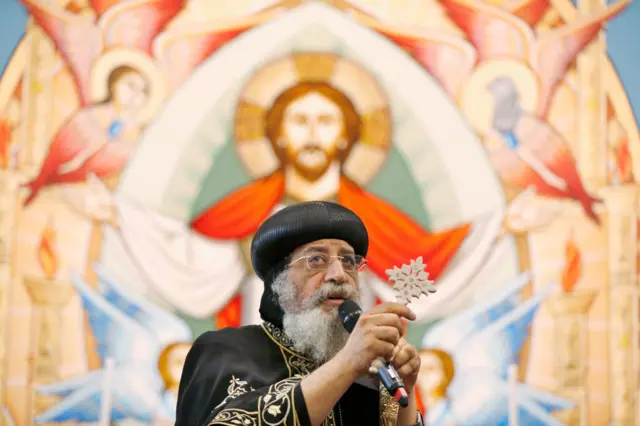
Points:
[[251, 376]]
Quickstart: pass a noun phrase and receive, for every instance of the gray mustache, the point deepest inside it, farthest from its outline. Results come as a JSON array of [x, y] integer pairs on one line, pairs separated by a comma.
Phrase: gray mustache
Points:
[[343, 291]]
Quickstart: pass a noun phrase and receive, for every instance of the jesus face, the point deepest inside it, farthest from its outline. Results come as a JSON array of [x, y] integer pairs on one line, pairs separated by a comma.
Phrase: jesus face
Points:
[[312, 130]]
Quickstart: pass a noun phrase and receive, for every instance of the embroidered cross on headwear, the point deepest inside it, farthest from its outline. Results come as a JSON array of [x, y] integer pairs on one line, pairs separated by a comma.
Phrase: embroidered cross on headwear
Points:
[[410, 281]]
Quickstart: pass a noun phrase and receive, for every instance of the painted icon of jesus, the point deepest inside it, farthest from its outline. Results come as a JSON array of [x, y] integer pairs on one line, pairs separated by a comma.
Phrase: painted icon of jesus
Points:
[[316, 138], [313, 129]]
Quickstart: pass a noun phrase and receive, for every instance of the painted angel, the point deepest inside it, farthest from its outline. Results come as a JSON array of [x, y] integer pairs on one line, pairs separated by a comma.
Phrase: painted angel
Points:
[[465, 360], [507, 65], [116, 82], [148, 346], [120, 62]]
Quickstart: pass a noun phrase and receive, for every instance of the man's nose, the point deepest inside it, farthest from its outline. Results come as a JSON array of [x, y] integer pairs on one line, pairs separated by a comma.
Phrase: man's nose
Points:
[[335, 272]]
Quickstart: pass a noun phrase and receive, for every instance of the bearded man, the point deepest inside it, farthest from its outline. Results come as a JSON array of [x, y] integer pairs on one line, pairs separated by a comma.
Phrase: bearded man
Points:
[[300, 366]]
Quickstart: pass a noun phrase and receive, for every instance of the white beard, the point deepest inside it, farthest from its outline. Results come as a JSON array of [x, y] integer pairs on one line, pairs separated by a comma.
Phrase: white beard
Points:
[[315, 332]]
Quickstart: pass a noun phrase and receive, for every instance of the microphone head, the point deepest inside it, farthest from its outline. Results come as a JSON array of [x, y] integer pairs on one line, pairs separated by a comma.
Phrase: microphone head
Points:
[[349, 312]]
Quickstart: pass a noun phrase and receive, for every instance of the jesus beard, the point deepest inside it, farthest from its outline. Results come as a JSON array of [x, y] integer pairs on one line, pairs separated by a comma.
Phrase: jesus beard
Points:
[[311, 161], [315, 332]]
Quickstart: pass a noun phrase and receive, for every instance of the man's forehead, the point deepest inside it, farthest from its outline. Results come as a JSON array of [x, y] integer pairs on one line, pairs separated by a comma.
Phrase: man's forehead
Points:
[[326, 245]]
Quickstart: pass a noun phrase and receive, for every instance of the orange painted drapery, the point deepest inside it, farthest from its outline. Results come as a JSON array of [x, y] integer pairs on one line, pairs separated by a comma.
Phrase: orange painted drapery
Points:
[[394, 238]]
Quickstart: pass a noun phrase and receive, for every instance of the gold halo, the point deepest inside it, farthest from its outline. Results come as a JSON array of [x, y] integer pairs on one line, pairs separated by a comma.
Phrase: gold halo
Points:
[[112, 59], [477, 102], [357, 84]]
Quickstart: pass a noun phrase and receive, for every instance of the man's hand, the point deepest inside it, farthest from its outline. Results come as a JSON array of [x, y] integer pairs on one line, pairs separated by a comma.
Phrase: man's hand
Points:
[[376, 334], [406, 361]]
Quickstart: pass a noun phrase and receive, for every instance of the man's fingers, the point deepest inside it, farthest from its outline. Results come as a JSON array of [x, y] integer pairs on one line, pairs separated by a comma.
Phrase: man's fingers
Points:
[[388, 334], [401, 358], [409, 367], [384, 349], [391, 320], [406, 370], [393, 308], [395, 351]]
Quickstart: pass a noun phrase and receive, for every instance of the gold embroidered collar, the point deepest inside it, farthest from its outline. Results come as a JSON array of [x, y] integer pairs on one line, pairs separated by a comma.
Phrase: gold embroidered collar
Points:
[[281, 339]]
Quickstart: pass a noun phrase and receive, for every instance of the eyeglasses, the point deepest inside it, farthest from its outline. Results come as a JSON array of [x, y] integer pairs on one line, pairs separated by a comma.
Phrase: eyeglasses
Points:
[[321, 262]]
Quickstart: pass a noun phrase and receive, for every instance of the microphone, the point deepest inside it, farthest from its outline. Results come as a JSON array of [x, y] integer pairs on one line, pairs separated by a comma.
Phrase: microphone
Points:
[[349, 312]]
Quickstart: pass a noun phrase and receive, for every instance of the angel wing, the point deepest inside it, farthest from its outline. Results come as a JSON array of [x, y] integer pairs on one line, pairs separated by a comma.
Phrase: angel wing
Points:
[[75, 37], [165, 326], [136, 23], [545, 400], [517, 173], [530, 11], [81, 400], [101, 6], [79, 40], [497, 346], [453, 331], [493, 31], [119, 336], [179, 52], [556, 51], [449, 59], [135, 395], [64, 388], [480, 398], [81, 133], [105, 161]]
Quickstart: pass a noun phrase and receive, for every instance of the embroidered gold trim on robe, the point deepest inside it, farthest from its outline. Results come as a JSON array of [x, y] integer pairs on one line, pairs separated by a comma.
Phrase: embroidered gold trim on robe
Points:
[[275, 407], [389, 408]]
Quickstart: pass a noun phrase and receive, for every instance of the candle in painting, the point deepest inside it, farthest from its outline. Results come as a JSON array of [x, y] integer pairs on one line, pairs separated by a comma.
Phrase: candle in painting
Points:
[[47, 257], [49, 296], [5, 143], [573, 266]]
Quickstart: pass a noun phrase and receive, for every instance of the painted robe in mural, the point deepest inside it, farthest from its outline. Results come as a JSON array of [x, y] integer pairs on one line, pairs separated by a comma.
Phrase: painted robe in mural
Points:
[[225, 381], [200, 272], [394, 237]]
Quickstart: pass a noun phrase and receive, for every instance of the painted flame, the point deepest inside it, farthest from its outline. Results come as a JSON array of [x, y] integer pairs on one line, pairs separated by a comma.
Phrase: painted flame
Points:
[[624, 161], [621, 155], [47, 255], [573, 266], [5, 143]]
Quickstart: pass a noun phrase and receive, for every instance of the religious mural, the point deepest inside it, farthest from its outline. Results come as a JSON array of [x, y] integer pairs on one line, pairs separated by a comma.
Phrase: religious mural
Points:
[[142, 142]]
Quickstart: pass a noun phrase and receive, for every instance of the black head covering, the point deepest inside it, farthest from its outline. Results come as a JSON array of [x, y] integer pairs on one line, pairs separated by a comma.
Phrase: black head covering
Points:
[[292, 227]]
